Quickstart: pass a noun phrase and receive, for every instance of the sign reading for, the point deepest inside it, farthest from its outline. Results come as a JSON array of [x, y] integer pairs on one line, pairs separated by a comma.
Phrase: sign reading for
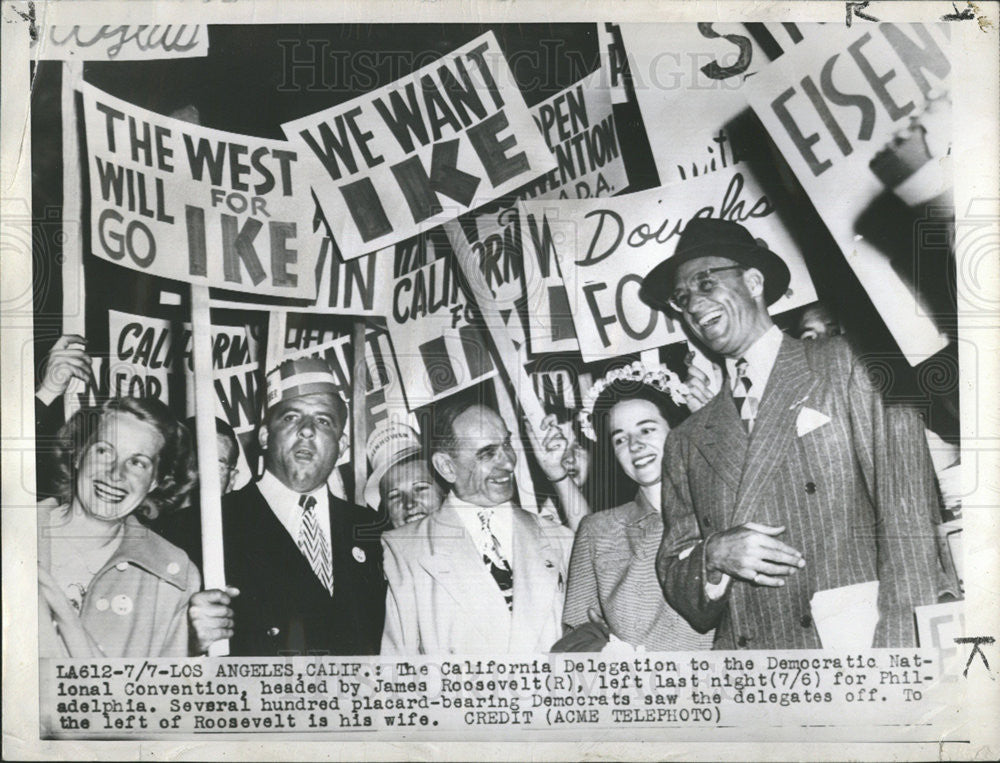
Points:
[[422, 150], [439, 345]]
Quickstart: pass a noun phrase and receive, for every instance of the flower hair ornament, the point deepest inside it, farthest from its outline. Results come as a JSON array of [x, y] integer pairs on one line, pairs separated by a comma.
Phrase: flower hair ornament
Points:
[[660, 378]]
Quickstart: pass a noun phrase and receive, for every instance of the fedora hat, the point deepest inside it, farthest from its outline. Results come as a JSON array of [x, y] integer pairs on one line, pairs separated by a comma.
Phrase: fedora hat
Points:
[[708, 237]]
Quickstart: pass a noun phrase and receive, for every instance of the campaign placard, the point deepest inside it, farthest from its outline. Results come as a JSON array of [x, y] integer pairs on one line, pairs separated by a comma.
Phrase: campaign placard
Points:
[[193, 204], [863, 115], [145, 351], [422, 150], [689, 82], [360, 286], [545, 237], [609, 36], [439, 345], [579, 128], [604, 248]]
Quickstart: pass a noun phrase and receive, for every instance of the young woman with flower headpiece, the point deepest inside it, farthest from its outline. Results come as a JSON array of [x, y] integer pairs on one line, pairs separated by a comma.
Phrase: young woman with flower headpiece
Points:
[[612, 584]]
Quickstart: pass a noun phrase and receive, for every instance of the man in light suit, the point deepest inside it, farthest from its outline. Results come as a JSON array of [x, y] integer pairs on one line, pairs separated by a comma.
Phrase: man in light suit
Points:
[[303, 566], [479, 575], [796, 478]]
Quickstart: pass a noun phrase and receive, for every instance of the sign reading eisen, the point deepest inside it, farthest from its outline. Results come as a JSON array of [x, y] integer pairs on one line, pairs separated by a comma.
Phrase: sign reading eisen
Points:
[[422, 150], [199, 205], [861, 114]]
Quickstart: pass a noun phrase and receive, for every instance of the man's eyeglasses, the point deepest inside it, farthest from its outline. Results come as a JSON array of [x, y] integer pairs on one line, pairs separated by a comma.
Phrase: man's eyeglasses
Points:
[[703, 282]]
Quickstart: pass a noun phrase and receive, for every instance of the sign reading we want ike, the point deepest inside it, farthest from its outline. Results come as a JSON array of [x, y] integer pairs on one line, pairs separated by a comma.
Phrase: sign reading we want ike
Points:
[[422, 150]]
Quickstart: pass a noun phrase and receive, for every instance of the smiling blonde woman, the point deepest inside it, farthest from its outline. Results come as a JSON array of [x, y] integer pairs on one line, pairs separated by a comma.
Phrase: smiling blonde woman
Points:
[[108, 585]]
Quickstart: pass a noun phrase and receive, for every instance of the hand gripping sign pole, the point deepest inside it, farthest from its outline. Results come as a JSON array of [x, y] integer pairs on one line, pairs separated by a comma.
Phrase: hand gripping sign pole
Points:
[[210, 490]]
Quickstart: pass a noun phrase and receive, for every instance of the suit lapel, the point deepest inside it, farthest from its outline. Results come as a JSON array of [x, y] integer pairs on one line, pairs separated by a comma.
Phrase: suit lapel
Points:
[[774, 429], [457, 567], [536, 583], [287, 554], [722, 440]]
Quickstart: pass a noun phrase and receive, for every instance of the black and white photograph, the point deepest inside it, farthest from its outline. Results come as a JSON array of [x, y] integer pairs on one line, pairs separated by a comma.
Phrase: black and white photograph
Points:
[[500, 380]]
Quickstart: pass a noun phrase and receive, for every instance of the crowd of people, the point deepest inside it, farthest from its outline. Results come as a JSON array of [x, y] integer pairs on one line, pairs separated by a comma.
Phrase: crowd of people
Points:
[[790, 477]]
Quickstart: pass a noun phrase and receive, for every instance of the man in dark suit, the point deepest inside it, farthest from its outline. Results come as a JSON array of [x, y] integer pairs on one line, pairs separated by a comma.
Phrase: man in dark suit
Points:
[[304, 568], [796, 478]]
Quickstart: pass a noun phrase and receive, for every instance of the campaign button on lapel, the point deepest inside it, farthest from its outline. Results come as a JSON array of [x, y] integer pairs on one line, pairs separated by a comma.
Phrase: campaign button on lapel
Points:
[[121, 604]]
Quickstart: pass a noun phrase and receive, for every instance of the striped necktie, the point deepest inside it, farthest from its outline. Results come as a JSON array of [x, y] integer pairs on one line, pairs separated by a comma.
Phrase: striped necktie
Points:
[[746, 403], [313, 544], [494, 559]]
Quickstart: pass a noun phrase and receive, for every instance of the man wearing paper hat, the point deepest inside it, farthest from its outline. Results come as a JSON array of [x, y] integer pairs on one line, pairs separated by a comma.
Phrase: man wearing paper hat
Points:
[[304, 567], [401, 479], [797, 478], [479, 575]]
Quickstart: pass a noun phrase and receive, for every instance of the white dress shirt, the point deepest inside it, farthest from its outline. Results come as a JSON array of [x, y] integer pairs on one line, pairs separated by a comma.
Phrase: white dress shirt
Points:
[[284, 503], [760, 357], [501, 525]]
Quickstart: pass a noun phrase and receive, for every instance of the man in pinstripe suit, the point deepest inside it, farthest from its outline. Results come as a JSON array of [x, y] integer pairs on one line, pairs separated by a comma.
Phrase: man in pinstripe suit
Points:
[[796, 477]]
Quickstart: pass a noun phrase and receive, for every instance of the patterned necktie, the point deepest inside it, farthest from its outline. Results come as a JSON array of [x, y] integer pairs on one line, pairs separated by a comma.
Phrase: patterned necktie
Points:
[[746, 403], [494, 559], [313, 545]]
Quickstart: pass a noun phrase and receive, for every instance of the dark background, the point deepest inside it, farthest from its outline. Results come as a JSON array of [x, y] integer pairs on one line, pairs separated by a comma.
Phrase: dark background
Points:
[[256, 77]]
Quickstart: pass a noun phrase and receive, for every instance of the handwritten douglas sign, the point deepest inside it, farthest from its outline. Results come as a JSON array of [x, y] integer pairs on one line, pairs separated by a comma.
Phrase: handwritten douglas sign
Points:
[[422, 150], [199, 205], [604, 248], [141, 42]]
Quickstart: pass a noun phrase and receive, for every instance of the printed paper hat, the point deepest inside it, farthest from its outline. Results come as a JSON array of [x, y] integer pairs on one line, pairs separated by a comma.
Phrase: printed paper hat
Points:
[[298, 377], [387, 445]]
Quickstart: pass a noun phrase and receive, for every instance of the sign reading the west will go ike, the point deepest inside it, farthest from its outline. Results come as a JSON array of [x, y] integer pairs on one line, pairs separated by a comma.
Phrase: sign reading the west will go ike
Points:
[[422, 150], [193, 204]]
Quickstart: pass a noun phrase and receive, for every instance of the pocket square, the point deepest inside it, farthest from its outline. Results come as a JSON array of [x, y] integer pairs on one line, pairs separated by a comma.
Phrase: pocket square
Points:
[[809, 420]]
